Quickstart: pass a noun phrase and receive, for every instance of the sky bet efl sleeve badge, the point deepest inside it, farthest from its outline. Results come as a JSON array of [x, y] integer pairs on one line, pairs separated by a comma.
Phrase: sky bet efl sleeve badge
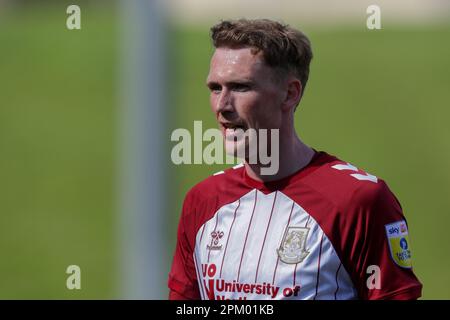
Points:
[[397, 234]]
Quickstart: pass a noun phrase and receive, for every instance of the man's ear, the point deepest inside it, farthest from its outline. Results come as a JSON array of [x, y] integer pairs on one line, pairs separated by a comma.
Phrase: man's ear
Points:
[[294, 92]]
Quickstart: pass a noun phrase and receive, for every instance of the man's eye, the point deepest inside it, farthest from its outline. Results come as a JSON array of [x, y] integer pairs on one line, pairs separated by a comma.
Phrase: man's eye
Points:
[[241, 87]]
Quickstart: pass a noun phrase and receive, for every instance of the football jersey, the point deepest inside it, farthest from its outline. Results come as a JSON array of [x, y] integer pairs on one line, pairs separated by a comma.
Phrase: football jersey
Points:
[[328, 231]]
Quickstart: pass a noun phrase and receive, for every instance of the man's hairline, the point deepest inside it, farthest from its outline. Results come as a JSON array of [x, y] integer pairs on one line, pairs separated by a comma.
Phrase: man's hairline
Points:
[[280, 73]]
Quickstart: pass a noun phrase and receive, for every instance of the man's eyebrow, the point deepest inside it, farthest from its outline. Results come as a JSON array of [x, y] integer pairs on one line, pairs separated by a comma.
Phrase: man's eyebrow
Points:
[[212, 84], [231, 82], [240, 81]]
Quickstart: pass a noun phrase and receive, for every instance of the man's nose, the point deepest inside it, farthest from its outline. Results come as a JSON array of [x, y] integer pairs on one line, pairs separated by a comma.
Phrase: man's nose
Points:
[[225, 102]]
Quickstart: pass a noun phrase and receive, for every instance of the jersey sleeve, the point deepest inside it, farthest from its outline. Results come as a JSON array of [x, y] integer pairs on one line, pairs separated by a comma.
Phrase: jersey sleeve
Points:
[[381, 253], [182, 277]]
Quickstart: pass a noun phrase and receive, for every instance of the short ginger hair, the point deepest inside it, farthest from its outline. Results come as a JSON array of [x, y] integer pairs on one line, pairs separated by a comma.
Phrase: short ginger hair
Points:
[[283, 48]]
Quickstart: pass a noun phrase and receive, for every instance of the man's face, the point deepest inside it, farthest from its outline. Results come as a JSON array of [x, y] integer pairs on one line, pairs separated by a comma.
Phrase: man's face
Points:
[[244, 94]]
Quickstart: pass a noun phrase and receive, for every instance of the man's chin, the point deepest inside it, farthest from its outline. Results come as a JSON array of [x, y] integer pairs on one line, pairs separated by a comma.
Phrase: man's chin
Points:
[[234, 134], [241, 151], [236, 149]]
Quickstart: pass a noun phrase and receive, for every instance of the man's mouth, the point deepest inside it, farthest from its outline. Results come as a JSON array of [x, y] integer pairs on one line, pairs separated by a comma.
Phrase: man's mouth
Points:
[[233, 131], [233, 126]]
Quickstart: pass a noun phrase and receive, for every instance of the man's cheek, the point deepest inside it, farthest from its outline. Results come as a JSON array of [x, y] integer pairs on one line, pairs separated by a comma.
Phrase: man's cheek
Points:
[[213, 104]]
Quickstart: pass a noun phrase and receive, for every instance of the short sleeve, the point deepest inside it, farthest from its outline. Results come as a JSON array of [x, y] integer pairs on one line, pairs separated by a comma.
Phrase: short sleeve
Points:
[[182, 276], [383, 267]]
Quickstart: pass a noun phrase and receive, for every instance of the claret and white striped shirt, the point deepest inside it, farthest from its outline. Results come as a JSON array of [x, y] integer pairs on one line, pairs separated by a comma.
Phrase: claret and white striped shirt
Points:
[[317, 234]]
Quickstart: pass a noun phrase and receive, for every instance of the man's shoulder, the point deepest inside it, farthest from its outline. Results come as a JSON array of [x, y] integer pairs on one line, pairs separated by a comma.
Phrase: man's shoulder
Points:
[[220, 183], [344, 184]]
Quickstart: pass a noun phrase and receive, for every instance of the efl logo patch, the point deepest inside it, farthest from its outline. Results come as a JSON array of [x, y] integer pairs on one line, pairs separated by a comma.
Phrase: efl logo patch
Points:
[[397, 234]]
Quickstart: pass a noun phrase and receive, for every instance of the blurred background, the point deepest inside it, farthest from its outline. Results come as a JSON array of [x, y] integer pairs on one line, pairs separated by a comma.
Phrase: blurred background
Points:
[[376, 98]]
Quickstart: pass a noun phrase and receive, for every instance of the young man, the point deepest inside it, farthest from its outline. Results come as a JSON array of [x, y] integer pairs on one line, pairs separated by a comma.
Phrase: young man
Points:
[[318, 228]]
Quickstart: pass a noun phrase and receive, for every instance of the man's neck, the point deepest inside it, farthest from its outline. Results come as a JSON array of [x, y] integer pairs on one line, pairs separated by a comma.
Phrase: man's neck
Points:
[[293, 156]]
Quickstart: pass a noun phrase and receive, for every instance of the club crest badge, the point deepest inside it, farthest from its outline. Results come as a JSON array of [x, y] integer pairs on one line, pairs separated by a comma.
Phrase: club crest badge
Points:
[[292, 249]]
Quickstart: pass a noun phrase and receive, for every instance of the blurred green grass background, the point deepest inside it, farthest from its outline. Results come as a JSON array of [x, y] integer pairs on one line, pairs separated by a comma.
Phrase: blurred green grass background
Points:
[[378, 99]]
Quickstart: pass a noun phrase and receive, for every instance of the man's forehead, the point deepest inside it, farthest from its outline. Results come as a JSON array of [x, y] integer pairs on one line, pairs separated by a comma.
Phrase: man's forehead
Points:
[[236, 55], [226, 61]]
